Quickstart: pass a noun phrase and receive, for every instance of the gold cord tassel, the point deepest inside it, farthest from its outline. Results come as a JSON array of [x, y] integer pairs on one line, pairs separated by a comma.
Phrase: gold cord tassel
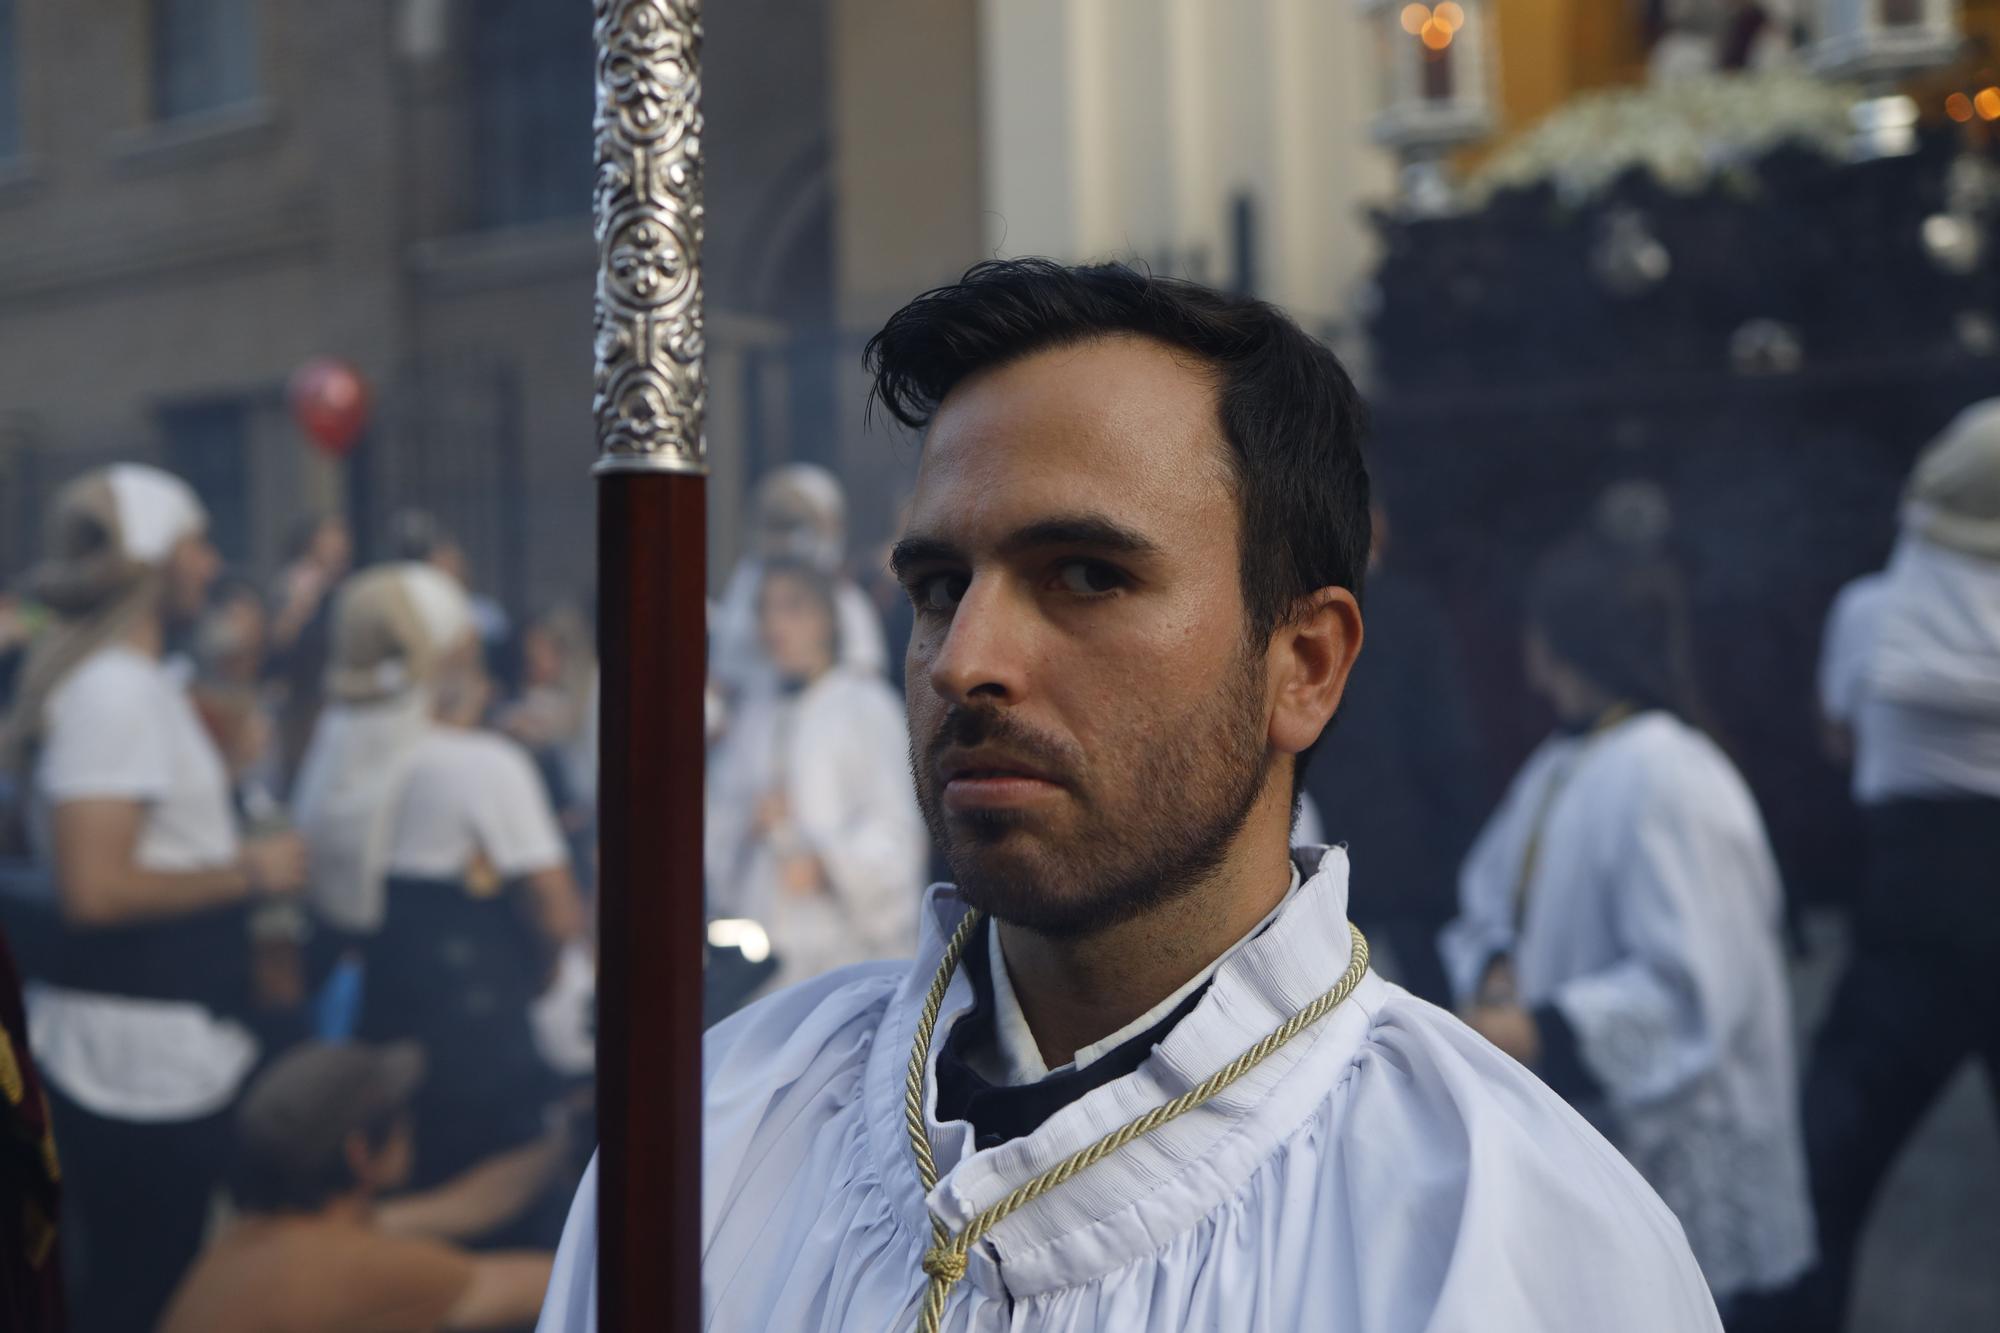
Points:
[[944, 1263]]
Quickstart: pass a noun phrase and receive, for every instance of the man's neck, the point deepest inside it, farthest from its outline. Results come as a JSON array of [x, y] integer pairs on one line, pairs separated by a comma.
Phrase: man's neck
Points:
[[352, 1209], [148, 636], [1076, 990]]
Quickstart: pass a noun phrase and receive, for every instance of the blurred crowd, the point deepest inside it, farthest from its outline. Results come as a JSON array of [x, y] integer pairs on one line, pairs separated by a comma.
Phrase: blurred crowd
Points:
[[298, 884], [296, 880]]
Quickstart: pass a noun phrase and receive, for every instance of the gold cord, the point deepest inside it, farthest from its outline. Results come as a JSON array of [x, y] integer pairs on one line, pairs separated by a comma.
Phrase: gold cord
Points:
[[944, 1262]]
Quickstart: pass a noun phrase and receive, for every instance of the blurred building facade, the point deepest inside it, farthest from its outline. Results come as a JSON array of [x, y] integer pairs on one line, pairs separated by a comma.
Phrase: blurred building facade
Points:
[[196, 196]]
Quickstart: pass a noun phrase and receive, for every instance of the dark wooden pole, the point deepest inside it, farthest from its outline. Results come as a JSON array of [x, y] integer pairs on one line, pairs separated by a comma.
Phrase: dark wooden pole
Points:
[[652, 582]]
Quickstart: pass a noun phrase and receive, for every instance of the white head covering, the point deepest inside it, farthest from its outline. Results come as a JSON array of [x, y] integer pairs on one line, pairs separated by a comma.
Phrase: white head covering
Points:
[[1938, 641], [110, 533], [802, 512], [156, 510], [394, 626], [1953, 497]]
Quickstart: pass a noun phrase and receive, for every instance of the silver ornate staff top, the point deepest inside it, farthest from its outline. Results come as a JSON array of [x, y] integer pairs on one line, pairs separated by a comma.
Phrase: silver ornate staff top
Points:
[[650, 393]]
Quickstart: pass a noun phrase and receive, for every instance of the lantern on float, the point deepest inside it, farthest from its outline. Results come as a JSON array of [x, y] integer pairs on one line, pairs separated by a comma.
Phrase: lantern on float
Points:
[[1879, 44], [329, 401], [1434, 63]]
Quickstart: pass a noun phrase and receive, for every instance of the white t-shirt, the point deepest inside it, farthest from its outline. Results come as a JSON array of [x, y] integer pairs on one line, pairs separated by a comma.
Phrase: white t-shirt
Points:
[[121, 728], [1849, 634], [468, 793], [1904, 748]]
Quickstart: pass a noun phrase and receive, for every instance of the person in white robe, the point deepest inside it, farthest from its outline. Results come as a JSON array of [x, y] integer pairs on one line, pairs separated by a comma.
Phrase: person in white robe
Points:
[[1394, 1174], [811, 828], [1139, 1076], [800, 513], [1620, 922], [1911, 674]]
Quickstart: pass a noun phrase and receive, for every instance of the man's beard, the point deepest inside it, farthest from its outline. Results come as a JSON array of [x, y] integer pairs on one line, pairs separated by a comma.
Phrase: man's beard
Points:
[[1189, 790]]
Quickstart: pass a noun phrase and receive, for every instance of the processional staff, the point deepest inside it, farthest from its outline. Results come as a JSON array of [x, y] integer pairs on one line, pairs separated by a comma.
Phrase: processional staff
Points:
[[651, 475]]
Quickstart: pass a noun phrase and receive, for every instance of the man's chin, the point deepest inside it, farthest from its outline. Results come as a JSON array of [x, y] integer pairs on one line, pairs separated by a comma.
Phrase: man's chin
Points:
[[1013, 880]]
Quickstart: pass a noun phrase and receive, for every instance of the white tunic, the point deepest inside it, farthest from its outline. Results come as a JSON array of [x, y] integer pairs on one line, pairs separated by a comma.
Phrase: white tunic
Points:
[[736, 657], [1651, 924], [836, 752], [1385, 1172], [1912, 663]]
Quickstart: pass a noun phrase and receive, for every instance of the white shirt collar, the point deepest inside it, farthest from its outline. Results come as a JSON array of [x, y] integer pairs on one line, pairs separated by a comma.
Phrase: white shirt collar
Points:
[[1016, 1059]]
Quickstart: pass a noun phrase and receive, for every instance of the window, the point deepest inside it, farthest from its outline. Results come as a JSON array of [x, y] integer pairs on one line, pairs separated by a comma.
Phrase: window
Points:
[[10, 85], [533, 70], [204, 56], [208, 446]]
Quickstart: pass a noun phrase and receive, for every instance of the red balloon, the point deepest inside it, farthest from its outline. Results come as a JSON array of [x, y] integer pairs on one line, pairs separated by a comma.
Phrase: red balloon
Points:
[[330, 402]]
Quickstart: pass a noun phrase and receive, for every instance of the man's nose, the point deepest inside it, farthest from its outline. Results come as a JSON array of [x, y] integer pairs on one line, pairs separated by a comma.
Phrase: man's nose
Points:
[[984, 651]]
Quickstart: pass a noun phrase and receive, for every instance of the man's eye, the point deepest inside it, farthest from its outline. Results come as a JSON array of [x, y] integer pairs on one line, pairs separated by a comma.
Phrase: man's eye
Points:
[[938, 592], [1089, 578]]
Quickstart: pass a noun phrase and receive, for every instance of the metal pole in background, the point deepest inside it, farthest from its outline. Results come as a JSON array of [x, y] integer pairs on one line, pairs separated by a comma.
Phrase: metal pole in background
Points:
[[651, 470]]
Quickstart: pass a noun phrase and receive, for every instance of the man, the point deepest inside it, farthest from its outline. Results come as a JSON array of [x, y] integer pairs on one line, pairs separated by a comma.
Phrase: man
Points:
[[1140, 521], [130, 807], [1619, 921], [1912, 673], [322, 1135], [811, 829]]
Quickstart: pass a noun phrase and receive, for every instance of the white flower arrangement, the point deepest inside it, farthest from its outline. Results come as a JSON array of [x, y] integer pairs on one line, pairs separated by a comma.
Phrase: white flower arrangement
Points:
[[1685, 132]]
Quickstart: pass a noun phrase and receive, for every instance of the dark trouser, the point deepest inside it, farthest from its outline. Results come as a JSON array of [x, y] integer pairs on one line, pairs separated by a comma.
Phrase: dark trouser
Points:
[[135, 1200], [1921, 997], [457, 974]]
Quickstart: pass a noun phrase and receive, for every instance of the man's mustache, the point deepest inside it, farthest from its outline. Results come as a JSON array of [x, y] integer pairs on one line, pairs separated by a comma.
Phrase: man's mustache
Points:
[[973, 728]]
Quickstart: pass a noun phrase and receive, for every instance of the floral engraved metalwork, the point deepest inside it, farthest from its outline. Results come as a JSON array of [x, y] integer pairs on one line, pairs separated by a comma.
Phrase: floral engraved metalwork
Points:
[[649, 392]]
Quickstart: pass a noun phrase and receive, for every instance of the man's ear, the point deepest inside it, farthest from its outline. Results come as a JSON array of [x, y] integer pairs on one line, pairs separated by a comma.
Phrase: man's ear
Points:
[[1310, 658]]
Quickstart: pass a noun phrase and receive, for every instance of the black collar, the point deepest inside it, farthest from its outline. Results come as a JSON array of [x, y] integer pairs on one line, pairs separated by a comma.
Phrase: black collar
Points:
[[998, 1113]]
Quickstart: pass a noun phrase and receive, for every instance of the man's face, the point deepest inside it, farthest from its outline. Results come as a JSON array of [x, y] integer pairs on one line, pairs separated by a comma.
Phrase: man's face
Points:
[[796, 630], [333, 548], [1088, 717], [192, 567]]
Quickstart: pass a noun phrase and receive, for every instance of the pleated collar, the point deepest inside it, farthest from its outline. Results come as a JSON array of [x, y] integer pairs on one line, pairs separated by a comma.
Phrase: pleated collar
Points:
[[1151, 1190]]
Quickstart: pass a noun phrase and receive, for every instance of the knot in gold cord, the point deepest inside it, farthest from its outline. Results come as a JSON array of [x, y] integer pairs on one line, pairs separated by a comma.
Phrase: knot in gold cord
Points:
[[943, 1263]]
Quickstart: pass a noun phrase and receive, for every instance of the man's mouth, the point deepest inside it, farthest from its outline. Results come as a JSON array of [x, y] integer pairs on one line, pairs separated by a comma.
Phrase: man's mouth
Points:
[[975, 781]]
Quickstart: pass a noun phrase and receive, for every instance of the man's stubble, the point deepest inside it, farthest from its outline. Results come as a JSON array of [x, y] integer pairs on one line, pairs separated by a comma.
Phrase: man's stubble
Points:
[[1145, 836]]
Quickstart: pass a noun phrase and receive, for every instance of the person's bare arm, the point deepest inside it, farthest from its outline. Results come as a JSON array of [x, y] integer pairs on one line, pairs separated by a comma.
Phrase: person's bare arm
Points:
[[100, 882], [304, 589], [557, 904], [476, 1201], [506, 1291]]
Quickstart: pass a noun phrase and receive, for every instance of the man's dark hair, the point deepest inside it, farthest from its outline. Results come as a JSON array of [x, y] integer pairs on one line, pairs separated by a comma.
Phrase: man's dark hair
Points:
[[267, 1181], [1291, 414], [1617, 612], [416, 534]]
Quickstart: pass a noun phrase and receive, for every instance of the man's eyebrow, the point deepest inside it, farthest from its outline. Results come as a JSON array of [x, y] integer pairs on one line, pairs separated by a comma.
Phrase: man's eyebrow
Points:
[[1088, 531], [921, 551], [1091, 531]]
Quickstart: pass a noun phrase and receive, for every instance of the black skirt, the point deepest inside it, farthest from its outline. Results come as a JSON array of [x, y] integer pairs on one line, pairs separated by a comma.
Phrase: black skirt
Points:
[[457, 974]]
